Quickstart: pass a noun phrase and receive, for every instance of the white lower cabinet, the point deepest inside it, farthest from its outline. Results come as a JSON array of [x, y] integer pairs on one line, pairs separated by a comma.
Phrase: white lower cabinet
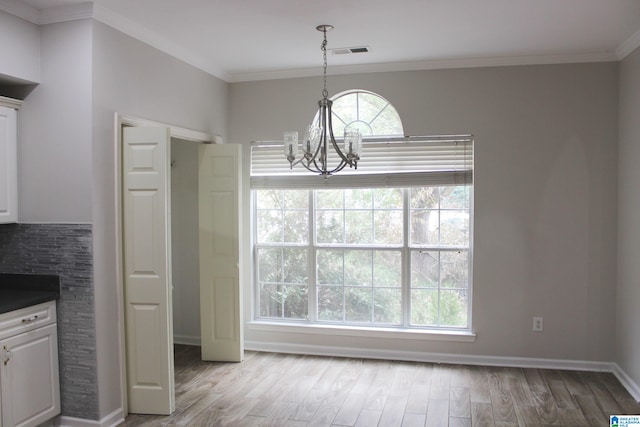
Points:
[[29, 378]]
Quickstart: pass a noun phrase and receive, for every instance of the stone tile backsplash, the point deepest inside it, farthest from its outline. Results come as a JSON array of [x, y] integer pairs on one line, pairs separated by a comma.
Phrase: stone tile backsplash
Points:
[[64, 250]]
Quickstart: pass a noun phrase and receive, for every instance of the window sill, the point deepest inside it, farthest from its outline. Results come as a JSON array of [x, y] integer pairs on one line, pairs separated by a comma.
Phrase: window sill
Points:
[[363, 331]]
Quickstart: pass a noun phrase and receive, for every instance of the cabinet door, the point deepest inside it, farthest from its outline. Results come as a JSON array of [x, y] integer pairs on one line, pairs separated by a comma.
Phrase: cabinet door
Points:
[[29, 378], [8, 166]]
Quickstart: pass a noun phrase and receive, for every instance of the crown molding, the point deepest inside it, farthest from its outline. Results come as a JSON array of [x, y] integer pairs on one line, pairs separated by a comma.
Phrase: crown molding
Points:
[[51, 15], [21, 10], [133, 29], [429, 65], [66, 13], [628, 46]]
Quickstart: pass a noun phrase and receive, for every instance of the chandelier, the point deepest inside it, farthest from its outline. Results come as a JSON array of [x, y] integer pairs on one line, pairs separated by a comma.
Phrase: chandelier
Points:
[[319, 136]]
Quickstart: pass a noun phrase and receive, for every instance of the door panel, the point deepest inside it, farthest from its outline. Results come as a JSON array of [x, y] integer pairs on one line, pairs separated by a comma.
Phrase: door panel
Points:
[[220, 298], [147, 270]]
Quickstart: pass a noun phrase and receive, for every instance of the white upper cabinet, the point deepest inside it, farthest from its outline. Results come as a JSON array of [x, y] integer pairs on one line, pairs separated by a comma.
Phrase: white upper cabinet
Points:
[[8, 165]]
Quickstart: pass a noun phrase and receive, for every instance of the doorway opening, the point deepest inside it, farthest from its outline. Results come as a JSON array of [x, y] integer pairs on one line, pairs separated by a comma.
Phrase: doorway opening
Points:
[[143, 203], [172, 192]]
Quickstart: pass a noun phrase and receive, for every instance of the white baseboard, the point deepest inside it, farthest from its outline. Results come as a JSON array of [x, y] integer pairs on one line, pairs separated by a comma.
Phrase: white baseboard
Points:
[[111, 420], [414, 356], [186, 340], [632, 387]]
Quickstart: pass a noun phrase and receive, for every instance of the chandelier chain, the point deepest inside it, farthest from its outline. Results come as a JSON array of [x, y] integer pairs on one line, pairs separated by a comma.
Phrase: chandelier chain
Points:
[[325, 93]]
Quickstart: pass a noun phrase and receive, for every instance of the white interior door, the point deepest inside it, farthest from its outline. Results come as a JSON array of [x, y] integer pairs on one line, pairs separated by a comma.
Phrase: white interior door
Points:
[[147, 270], [220, 297]]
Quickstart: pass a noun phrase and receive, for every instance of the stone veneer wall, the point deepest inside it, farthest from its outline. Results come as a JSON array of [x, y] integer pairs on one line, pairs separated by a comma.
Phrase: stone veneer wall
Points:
[[65, 250]]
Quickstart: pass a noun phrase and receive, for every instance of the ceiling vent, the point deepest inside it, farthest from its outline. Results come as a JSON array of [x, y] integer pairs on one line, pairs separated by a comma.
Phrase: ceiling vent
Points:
[[350, 50]]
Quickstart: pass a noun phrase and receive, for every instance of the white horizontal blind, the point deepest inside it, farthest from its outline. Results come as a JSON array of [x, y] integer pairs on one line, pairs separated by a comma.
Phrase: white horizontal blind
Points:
[[385, 162]]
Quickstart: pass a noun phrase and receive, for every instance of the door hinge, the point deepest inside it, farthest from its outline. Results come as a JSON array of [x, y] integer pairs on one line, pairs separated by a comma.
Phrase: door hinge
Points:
[[7, 355]]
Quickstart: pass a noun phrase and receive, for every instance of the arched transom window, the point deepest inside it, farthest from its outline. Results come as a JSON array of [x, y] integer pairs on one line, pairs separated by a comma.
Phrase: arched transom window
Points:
[[366, 112]]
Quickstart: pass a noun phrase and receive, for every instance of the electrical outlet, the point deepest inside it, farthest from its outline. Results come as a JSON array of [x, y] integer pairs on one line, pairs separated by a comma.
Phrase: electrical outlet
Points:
[[538, 325]]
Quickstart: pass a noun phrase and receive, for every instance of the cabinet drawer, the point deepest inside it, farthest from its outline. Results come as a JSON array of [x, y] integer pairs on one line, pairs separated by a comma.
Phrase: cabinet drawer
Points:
[[27, 319]]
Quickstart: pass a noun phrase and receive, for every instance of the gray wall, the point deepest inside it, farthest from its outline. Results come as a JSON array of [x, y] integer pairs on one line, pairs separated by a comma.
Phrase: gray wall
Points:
[[628, 291], [130, 77], [19, 48], [54, 128], [545, 194]]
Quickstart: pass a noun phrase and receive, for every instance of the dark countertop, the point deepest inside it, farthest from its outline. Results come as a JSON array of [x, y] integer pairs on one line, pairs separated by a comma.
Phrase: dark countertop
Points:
[[23, 290]]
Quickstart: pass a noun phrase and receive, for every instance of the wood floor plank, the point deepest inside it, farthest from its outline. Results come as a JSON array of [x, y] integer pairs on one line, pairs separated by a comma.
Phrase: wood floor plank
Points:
[[520, 391], [377, 395], [423, 374], [343, 384], [437, 413], [627, 403], [460, 376], [536, 382], [274, 413], [418, 399], [402, 381], [440, 385], [368, 418], [185, 415], [527, 416], [459, 402], [306, 410], [413, 420], [297, 391], [495, 379], [503, 409], [479, 385], [546, 407], [459, 422], [270, 389], [350, 410], [230, 415], [324, 416], [561, 394], [602, 395], [574, 383], [441, 375], [393, 411], [573, 417], [482, 414], [591, 410]]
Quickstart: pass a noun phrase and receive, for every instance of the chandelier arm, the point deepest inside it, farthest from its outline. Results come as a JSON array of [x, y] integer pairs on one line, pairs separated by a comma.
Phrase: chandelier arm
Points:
[[319, 151], [338, 168], [317, 169], [333, 139], [306, 166], [315, 153], [297, 162]]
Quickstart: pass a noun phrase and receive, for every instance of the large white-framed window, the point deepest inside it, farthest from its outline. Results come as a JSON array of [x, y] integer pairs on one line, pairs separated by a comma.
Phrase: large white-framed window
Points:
[[387, 246]]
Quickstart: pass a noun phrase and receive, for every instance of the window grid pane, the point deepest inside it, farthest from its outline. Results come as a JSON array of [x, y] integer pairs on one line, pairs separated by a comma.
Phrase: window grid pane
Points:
[[358, 265], [439, 288]]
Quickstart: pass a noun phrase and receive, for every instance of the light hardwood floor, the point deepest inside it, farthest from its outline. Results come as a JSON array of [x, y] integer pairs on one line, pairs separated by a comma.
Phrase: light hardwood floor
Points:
[[270, 389]]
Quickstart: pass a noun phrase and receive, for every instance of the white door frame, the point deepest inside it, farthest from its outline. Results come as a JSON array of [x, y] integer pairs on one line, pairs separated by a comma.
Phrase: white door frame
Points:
[[120, 121]]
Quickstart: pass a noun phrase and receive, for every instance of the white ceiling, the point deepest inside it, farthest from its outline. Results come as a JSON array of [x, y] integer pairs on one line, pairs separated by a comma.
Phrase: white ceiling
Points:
[[256, 39]]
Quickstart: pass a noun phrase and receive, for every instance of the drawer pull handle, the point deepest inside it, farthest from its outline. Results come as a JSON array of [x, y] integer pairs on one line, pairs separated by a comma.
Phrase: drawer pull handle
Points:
[[30, 319]]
